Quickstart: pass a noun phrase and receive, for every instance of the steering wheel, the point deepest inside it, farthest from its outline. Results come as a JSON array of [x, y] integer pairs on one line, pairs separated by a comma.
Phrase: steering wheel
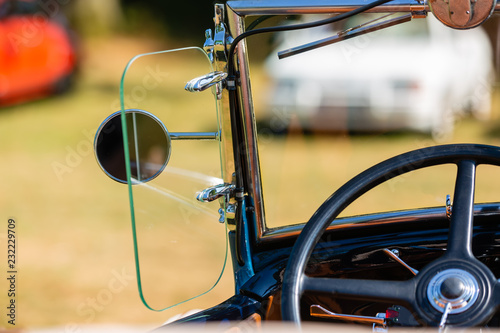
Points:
[[455, 286]]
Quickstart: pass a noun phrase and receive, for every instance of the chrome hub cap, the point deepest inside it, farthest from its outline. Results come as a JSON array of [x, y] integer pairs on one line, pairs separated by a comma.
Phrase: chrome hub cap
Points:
[[454, 286]]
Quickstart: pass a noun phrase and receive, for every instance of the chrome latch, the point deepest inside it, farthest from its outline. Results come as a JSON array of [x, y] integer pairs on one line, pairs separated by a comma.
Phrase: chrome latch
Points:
[[215, 192], [225, 193], [206, 81]]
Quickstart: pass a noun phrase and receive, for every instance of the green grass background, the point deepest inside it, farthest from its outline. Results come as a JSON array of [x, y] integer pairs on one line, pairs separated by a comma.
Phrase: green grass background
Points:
[[73, 226]]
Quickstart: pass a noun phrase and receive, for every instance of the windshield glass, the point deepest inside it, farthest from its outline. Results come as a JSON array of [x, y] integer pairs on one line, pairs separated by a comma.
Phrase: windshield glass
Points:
[[176, 238], [328, 114]]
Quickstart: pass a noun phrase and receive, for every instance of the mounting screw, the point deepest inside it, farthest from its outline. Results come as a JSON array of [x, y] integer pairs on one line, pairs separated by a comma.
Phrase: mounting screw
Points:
[[222, 215]]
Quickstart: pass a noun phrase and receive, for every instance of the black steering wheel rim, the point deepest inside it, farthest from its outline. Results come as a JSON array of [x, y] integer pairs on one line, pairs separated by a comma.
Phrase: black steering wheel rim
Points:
[[467, 157]]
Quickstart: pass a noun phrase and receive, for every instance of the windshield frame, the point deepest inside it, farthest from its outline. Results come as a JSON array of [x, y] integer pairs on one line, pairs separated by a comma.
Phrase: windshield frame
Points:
[[237, 12]]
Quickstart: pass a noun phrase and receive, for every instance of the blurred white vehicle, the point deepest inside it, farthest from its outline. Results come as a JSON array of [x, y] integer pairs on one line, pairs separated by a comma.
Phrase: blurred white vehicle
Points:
[[420, 76]]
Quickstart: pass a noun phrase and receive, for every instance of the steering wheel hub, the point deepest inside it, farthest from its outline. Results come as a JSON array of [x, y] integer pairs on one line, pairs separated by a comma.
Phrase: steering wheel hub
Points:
[[454, 286]]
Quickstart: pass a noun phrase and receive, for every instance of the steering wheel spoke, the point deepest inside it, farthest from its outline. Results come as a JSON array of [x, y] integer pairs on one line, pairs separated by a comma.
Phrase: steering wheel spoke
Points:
[[368, 290], [460, 235], [496, 294]]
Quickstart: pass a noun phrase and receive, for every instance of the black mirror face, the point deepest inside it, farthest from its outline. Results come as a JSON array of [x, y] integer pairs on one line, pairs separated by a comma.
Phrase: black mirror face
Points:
[[149, 146]]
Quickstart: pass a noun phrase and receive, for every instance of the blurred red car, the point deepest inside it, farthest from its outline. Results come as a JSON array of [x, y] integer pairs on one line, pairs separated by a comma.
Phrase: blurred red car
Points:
[[37, 52]]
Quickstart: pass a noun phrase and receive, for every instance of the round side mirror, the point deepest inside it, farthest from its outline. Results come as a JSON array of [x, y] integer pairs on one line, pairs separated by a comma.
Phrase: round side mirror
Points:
[[462, 14], [149, 146]]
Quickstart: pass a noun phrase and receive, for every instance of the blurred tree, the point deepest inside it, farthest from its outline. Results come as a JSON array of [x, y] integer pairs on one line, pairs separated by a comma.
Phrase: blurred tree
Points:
[[95, 16], [179, 19]]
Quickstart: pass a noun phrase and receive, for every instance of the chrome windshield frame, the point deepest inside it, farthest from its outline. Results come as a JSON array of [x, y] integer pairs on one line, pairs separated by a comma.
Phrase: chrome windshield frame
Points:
[[237, 11], [251, 159]]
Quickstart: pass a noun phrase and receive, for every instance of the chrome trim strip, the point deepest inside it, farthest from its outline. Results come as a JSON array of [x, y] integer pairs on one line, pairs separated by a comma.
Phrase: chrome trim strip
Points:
[[237, 27], [194, 136], [281, 7], [320, 312], [223, 112], [353, 222]]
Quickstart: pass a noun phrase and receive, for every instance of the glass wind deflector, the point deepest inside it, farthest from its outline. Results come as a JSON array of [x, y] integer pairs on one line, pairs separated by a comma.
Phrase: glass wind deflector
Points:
[[180, 247]]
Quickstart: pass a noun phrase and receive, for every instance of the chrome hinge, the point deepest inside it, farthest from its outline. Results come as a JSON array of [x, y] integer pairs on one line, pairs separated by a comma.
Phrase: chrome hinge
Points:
[[217, 44]]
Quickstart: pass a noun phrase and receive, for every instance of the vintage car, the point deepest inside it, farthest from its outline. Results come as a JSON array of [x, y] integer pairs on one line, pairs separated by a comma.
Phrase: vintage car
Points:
[[411, 240], [38, 51], [339, 89]]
